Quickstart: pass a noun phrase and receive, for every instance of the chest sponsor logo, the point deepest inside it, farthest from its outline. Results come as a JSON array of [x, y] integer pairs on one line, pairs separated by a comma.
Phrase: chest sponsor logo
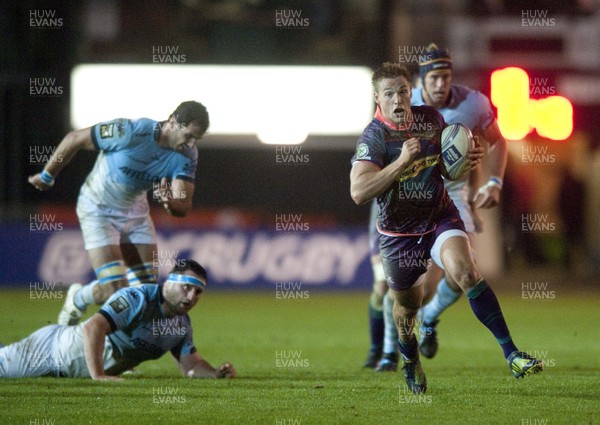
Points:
[[417, 166]]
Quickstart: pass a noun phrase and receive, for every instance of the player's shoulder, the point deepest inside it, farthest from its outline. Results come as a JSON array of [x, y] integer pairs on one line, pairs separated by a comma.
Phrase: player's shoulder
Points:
[[189, 153], [417, 97], [427, 111], [143, 126], [373, 131], [141, 294], [461, 93]]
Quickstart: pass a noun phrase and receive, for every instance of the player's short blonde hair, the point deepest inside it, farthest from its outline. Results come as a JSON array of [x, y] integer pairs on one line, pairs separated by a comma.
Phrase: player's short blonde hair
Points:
[[389, 70]]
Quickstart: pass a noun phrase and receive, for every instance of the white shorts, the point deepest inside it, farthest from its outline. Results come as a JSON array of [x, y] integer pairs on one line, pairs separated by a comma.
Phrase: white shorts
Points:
[[103, 226], [378, 272], [464, 209], [53, 350], [437, 245]]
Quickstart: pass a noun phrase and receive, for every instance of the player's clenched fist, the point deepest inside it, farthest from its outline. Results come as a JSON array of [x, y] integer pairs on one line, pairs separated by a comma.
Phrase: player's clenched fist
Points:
[[410, 149], [37, 182]]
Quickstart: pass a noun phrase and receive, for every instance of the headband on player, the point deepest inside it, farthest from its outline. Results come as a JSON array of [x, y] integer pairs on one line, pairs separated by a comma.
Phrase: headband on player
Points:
[[435, 59], [184, 278]]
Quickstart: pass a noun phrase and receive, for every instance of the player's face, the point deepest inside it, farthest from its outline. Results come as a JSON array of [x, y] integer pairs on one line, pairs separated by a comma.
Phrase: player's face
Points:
[[181, 136], [180, 298], [436, 87], [393, 98]]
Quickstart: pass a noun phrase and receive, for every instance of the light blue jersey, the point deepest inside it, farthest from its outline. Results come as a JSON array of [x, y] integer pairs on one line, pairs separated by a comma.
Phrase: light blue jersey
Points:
[[140, 329], [467, 106], [471, 108], [130, 161], [140, 332]]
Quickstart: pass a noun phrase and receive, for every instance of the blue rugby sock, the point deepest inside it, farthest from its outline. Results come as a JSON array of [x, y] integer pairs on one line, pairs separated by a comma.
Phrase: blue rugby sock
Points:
[[376, 328], [410, 349], [485, 305]]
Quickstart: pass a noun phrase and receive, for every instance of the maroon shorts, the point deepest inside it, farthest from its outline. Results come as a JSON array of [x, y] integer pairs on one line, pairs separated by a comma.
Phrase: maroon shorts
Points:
[[405, 258]]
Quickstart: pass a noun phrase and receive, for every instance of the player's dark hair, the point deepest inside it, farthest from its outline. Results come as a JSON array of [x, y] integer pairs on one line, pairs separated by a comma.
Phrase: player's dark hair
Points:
[[389, 70], [192, 111], [184, 265]]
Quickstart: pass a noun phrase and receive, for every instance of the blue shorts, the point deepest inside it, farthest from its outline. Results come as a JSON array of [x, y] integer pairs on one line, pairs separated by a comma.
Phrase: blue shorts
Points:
[[405, 258]]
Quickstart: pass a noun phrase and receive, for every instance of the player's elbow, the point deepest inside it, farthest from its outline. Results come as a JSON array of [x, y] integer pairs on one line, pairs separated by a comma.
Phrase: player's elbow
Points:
[[358, 196]]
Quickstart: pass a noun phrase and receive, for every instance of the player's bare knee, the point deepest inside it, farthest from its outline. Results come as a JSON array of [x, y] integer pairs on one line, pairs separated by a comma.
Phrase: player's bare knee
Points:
[[466, 277]]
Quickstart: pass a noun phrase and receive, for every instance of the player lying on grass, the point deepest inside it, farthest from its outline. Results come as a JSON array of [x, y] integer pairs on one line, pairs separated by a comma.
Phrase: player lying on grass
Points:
[[134, 157], [136, 324], [398, 154]]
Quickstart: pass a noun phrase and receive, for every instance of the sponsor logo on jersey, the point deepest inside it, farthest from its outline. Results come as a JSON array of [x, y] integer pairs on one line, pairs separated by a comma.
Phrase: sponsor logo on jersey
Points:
[[362, 152], [119, 305], [417, 166], [106, 130]]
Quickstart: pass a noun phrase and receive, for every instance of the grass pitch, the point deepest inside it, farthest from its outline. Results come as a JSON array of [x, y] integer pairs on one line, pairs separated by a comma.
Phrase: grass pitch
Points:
[[299, 362]]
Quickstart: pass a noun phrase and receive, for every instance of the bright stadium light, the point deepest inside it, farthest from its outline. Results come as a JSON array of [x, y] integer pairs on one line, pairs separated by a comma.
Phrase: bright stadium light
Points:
[[518, 114], [278, 104]]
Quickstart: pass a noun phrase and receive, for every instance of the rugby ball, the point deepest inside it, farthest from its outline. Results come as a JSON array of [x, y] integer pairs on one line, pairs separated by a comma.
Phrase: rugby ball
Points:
[[457, 139]]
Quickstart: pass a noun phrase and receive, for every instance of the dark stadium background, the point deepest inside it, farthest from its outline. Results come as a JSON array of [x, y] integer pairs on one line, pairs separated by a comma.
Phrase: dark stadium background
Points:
[[247, 180]]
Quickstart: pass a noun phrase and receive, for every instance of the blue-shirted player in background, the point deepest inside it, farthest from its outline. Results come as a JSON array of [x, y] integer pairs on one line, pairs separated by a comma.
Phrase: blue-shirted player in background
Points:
[[135, 156], [457, 104], [136, 324]]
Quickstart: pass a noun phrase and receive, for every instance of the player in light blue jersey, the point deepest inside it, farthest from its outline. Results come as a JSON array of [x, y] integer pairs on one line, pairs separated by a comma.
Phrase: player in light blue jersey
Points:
[[458, 104], [136, 324], [135, 156]]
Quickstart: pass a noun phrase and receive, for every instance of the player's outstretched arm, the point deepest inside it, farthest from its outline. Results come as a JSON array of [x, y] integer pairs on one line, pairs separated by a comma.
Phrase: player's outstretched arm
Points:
[[64, 153], [488, 195], [94, 332], [194, 366], [368, 181], [473, 187]]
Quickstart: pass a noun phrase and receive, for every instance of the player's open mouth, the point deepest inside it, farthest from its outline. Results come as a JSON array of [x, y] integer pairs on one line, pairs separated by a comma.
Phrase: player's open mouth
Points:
[[398, 111]]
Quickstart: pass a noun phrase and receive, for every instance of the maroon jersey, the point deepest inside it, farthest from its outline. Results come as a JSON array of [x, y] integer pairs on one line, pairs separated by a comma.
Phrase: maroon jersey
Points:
[[418, 198]]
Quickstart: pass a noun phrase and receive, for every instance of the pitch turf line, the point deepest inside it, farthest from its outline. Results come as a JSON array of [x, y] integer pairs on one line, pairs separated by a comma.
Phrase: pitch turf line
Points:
[[468, 381]]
